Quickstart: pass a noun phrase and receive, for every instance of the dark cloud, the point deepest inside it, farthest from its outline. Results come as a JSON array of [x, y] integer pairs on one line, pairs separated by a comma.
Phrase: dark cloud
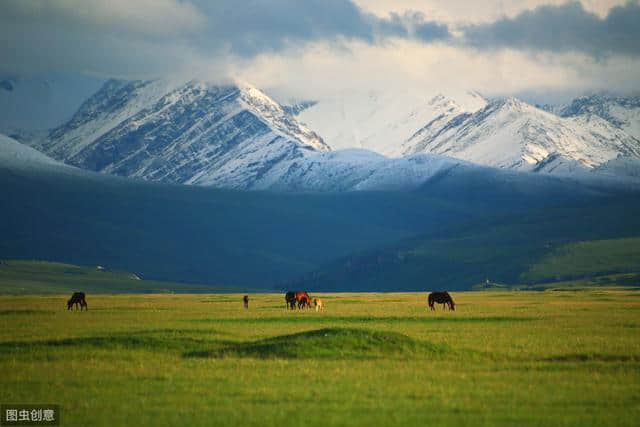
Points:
[[271, 25], [564, 28], [147, 36]]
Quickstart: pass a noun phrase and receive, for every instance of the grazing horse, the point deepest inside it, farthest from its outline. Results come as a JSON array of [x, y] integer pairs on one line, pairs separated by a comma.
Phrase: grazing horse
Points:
[[318, 303], [441, 298], [304, 301], [77, 298], [245, 300]]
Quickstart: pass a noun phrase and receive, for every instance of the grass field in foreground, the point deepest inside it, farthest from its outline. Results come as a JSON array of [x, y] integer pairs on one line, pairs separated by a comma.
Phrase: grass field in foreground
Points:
[[502, 358]]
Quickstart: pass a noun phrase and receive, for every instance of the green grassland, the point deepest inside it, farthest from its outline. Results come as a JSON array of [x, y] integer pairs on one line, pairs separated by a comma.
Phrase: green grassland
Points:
[[41, 277], [582, 259], [502, 358], [591, 283]]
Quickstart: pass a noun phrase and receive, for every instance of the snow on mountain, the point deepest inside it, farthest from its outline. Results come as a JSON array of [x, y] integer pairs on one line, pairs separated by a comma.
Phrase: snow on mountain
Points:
[[115, 102], [235, 136], [621, 112], [14, 153], [512, 134], [382, 121], [621, 166], [356, 170], [296, 107], [365, 170], [193, 133]]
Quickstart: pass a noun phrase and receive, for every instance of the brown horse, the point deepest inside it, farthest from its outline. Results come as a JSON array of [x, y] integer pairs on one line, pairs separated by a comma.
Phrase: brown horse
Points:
[[441, 298], [245, 300], [319, 304], [299, 298], [77, 298], [304, 301]]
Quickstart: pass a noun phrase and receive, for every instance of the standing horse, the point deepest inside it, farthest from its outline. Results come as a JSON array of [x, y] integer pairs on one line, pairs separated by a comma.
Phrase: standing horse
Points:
[[245, 300], [77, 298], [319, 304], [441, 298], [290, 299]]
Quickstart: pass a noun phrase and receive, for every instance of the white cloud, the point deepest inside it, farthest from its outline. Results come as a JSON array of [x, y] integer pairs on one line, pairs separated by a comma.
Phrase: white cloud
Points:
[[404, 65]]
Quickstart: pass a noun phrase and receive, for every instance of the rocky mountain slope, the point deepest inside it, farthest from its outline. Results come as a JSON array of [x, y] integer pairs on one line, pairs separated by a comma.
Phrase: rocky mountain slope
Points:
[[504, 133], [191, 133], [512, 134]]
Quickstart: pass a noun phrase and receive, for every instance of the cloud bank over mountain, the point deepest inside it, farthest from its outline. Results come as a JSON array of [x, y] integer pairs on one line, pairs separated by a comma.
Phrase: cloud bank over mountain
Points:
[[546, 46]]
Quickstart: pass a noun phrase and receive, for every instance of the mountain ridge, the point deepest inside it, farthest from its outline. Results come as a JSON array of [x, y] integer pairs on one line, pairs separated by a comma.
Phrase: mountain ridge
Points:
[[193, 132]]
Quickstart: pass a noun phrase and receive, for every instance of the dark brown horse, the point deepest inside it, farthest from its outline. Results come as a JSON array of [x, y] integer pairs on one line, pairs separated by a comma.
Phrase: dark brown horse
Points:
[[441, 298], [245, 300], [77, 298], [290, 299]]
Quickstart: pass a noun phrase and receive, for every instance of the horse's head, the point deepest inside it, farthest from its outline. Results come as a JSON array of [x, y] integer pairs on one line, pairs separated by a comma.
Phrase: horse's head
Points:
[[452, 305], [69, 304]]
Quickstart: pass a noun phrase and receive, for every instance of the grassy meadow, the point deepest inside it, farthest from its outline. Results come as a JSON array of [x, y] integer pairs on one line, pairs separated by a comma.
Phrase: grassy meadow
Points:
[[502, 358]]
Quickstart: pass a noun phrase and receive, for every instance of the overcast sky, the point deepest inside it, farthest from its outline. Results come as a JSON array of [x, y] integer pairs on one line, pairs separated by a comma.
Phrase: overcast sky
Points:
[[543, 49]]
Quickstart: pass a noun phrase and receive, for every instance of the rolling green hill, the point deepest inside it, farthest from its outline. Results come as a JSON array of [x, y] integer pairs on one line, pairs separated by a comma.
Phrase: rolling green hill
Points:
[[41, 277], [196, 234], [445, 235], [584, 259], [538, 246]]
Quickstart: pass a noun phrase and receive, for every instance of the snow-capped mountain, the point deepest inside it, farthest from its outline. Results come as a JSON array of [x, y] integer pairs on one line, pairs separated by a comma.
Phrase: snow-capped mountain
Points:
[[192, 133], [512, 134], [621, 112], [504, 133], [235, 136], [382, 121]]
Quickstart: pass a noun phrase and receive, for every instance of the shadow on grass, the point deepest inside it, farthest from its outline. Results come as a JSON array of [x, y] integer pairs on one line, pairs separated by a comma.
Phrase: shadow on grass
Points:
[[591, 357], [28, 311], [329, 343], [314, 318], [160, 340]]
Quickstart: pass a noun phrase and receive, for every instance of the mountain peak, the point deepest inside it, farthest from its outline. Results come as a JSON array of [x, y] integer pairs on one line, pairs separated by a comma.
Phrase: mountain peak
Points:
[[195, 132], [509, 133]]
